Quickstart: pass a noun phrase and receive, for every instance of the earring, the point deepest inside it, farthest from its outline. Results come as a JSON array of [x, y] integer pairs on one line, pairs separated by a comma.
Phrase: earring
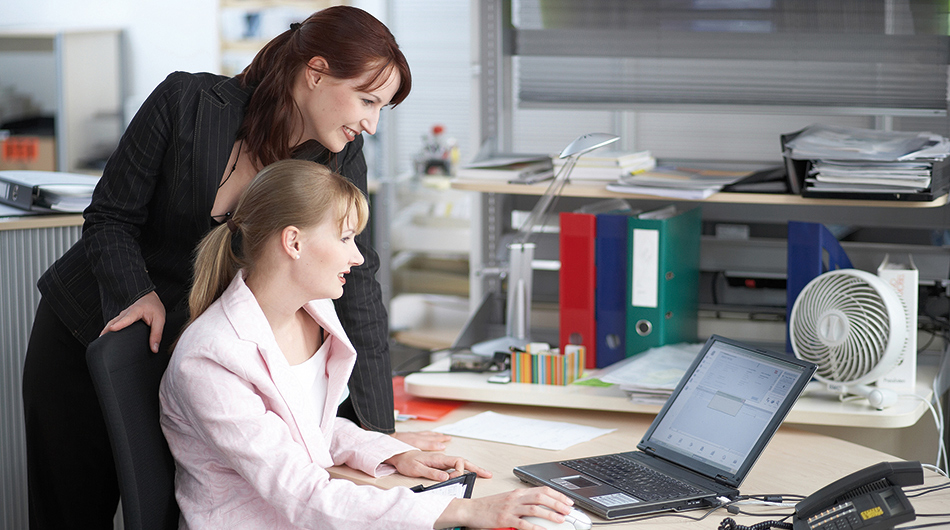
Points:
[[297, 256]]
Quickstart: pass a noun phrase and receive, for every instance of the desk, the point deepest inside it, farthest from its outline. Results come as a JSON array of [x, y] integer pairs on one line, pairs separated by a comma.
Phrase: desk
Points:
[[778, 471], [886, 430]]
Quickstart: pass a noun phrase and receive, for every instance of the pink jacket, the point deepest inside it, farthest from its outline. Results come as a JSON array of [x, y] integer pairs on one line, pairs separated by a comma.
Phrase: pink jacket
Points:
[[246, 457]]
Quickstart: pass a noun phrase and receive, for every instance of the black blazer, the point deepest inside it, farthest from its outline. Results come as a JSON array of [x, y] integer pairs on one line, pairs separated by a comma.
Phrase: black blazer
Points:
[[152, 206]]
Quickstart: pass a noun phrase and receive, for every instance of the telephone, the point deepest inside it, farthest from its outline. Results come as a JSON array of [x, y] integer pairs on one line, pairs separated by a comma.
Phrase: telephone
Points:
[[869, 499]]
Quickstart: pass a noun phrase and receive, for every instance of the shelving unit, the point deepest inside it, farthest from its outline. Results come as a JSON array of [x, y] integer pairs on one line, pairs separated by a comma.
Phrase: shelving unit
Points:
[[607, 60], [73, 76], [247, 25]]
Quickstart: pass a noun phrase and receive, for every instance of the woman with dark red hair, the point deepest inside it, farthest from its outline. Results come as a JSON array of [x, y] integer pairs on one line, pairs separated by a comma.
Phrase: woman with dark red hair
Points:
[[178, 171]]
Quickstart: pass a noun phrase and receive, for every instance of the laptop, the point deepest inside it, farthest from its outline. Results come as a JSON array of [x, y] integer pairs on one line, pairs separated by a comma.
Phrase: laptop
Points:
[[701, 445]]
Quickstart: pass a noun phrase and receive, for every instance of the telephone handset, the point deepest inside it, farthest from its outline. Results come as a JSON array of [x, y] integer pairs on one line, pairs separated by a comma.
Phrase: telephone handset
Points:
[[869, 499]]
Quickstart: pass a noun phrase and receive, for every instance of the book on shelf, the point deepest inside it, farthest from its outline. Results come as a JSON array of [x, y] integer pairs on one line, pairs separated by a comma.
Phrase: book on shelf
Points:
[[509, 168], [677, 182], [609, 165]]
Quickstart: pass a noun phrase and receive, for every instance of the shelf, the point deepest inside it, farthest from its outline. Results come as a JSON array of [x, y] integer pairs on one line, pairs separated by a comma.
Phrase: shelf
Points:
[[599, 191], [247, 25], [815, 407]]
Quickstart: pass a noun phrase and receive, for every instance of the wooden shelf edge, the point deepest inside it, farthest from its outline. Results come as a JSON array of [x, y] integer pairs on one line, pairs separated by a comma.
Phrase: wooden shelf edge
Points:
[[40, 221], [599, 190]]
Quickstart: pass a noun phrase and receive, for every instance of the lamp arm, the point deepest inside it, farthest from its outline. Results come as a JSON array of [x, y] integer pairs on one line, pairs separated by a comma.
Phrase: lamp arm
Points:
[[544, 203]]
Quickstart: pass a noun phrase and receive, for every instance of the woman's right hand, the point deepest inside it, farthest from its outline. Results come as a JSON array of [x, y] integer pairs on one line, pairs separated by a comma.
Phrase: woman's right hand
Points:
[[149, 309], [506, 509]]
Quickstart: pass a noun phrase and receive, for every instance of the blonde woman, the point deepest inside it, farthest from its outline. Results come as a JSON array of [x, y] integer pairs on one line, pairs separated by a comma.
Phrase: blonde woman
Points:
[[250, 395]]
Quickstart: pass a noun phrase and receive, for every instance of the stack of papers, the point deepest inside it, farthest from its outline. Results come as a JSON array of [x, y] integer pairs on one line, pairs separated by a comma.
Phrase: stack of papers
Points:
[[867, 161], [651, 376], [678, 182], [522, 169], [608, 165], [885, 177]]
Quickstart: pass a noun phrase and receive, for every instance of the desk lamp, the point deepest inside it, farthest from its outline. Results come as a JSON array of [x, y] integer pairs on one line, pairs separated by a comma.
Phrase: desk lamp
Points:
[[521, 252]]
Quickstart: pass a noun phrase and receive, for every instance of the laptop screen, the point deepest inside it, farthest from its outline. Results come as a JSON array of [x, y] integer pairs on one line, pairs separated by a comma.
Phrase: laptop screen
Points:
[[727, 407]]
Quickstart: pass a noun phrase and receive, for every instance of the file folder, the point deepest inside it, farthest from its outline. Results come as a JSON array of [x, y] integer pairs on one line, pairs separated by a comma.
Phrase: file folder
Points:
[[577, 283], [46, 191], [610, 299], [663, 279], [812, 250]]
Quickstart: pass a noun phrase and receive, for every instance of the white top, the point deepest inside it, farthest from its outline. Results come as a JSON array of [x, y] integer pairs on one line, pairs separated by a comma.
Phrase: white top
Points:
[[312, 376]]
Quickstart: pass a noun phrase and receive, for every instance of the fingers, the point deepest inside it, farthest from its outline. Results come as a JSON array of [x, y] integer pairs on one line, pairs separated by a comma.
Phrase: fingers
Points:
[[427, 471], [462, 465], [508, 510], [557, 501], [425, 440], [155, 336], [119, 322], [149, 309]]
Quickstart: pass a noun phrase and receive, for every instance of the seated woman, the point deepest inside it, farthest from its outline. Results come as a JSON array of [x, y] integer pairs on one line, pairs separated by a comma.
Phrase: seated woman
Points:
[[249, 399]]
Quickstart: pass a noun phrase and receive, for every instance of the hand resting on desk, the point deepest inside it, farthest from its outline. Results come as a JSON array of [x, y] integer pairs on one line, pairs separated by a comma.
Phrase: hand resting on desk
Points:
[[425, 440]]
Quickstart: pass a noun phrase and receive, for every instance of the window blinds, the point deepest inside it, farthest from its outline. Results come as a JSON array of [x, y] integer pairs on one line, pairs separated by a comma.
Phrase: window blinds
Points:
[[879, 57]]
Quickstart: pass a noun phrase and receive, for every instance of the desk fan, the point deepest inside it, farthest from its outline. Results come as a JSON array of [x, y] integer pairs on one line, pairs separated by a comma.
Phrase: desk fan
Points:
[[852, 325], [521, 252]]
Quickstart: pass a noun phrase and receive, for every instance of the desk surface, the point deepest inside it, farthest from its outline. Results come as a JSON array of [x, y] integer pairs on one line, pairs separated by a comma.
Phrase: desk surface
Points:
[[778, 471], [813, 408]]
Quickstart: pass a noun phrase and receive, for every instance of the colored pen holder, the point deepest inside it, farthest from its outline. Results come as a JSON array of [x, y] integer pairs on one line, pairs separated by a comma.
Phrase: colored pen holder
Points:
[[548, 367]]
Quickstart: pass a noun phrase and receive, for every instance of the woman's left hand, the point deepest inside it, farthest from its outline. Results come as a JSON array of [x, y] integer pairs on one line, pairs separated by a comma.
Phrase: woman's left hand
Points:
[[425, 440], [433, 466]]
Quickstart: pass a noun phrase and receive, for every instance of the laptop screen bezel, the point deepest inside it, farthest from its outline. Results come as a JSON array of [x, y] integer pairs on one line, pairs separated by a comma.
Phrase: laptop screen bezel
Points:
[[712, 472]]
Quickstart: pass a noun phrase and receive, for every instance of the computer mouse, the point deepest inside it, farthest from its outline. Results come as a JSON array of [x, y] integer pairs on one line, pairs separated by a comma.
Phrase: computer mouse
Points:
[[575, 520]]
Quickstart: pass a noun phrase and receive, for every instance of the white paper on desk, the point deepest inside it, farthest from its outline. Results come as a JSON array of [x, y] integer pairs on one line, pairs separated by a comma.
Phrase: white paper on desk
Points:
[[659, 368], [543, 434]]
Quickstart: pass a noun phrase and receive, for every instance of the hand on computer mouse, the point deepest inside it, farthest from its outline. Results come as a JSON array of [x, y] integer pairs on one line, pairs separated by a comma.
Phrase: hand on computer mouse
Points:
[[576, 520], [507, 510]]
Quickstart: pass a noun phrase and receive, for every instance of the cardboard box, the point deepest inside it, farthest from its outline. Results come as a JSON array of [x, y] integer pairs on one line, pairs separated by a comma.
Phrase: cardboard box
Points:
[[548, 367], [37, 153], [903, 278]]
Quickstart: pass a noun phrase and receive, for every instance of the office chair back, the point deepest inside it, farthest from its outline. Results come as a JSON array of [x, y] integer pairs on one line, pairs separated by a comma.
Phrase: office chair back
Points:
[[126, 375]]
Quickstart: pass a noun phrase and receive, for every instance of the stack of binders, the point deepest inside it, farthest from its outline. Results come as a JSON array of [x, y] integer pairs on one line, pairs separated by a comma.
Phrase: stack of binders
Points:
[[46, 191], [628, 281]]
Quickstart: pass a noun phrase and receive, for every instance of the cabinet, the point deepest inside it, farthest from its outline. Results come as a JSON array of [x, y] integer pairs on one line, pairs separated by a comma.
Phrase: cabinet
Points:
[[73, 76], [655, 73], [28, 246]]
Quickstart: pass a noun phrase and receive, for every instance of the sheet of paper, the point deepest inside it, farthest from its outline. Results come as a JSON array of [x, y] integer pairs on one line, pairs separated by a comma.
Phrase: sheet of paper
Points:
[[494, 427], [657, 368]]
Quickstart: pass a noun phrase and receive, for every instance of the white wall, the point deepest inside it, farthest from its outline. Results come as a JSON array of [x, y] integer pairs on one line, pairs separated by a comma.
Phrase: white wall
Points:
[[160, 35]]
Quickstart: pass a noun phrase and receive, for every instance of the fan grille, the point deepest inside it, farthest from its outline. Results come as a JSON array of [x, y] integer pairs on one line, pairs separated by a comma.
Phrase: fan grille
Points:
[[842, 324]]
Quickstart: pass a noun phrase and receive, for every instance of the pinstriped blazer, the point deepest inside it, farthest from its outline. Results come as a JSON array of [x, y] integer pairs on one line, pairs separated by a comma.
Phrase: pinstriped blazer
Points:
[[152, 206]]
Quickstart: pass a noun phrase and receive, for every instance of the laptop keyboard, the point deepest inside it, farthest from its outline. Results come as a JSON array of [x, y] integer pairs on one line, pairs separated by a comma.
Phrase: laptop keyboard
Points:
[[633, 478]]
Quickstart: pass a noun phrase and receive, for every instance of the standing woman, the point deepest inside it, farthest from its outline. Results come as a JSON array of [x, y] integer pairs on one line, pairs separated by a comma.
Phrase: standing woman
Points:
[[178, 171]]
